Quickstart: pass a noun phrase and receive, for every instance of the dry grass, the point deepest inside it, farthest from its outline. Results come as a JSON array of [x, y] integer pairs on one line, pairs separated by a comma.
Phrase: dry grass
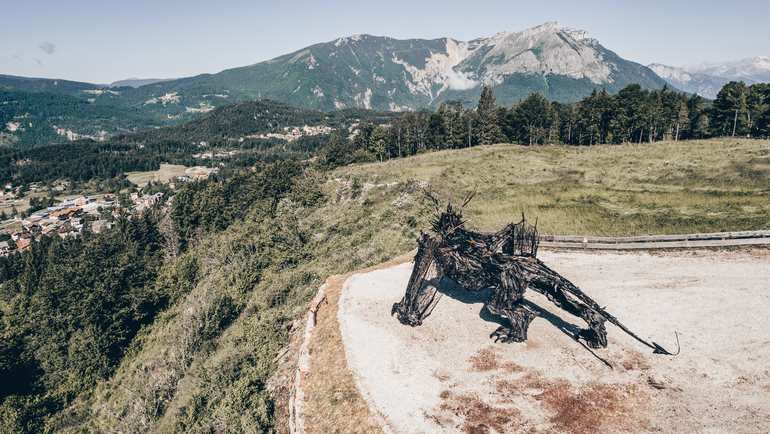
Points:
[[581, 408], [166, 173], [667, 187], [526, 400], [333, 403]]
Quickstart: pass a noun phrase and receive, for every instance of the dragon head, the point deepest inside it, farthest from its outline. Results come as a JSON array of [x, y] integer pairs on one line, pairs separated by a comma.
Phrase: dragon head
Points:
[[446, 223]]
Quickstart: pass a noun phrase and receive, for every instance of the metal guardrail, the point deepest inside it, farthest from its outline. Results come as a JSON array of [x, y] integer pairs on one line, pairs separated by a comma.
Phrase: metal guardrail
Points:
[[715, 239]]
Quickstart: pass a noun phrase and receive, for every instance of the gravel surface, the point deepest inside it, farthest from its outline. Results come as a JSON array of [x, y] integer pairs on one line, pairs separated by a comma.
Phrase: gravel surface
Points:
[[447, 376]]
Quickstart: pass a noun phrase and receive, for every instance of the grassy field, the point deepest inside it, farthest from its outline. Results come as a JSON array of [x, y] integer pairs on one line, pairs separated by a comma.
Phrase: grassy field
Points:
[[661, 188], [166, 173]]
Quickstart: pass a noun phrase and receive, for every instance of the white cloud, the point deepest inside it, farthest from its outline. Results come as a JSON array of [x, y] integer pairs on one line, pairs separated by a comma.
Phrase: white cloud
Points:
[[47, 48]]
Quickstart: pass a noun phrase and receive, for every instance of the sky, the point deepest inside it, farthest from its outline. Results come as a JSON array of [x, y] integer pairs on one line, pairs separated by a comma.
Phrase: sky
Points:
[[107, 40]]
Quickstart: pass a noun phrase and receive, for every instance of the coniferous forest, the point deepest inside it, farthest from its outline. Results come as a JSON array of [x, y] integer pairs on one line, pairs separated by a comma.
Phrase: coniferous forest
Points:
[[633, 115]]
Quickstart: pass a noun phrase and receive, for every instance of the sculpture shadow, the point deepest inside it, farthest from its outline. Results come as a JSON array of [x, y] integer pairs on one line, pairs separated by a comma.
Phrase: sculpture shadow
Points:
[[452, 289]]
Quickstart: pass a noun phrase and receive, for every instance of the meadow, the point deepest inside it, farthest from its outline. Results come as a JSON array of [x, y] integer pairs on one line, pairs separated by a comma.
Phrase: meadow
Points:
[[661, 188]]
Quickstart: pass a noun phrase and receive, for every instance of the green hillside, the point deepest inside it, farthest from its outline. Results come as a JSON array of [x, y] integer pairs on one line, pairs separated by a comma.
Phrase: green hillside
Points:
[[30, 119], [29, 84]]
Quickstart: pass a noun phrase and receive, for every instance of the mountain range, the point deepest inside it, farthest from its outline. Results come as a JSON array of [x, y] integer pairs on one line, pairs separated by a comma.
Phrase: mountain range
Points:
[[360, 71], [383, 73], [708, 78]]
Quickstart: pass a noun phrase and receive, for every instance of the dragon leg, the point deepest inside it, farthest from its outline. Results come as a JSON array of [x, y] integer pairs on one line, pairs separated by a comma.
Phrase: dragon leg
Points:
[[422, 291], [596, 333], [507, 302]]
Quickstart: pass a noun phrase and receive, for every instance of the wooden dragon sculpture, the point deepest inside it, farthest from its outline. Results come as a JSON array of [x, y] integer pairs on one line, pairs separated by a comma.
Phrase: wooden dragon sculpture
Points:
[[505, 261]]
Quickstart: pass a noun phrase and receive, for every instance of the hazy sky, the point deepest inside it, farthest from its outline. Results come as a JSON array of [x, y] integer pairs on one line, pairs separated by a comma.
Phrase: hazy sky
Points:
[[103, 41]]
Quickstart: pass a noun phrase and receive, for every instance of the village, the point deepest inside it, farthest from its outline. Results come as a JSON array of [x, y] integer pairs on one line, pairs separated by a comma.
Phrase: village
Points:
[[291, 134], [70, 218]]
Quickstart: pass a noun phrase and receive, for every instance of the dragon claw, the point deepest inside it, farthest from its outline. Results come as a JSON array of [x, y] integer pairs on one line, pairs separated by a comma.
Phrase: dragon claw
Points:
[[505, 335]]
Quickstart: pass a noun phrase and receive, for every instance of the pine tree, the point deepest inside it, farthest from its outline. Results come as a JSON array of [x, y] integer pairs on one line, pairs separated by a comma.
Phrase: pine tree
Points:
[[761, 109], [729, 109], [757, 103], [701, 126], [377, 142], [488, 127], [532, 120], [682, 119]]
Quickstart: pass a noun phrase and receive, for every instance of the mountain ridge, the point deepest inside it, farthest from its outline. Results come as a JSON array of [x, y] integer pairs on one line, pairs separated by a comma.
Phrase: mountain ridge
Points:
[[137, 82], [706, 79], [380, 72]]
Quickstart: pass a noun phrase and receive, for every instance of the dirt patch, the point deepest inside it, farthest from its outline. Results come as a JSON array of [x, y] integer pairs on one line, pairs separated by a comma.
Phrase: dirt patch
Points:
[[484, 360], [635, 361], [511, 367], [594, 407], [487, 359], [476, 415]]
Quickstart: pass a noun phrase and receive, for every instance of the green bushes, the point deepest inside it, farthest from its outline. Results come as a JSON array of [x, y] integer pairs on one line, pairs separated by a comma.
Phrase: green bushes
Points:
[[69, 313], [212, 205]]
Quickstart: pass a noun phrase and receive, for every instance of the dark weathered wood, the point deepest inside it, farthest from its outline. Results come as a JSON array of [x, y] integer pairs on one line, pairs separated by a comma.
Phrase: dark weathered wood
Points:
[[506, 262]]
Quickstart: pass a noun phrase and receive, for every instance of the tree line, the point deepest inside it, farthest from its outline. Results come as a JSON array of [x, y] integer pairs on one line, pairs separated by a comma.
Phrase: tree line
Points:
[[633, 115]]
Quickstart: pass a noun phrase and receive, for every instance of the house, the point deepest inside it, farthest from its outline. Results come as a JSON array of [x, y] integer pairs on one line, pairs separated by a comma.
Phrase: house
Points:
[[83, 201], [100, 226], [65, 213], [33, 220], [67, 231], [77, 224], [23, 244], [48, 229], [5, 248]]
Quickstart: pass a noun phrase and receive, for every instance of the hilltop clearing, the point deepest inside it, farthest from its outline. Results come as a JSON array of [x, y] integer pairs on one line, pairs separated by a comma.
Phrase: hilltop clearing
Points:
[[661, 188]]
